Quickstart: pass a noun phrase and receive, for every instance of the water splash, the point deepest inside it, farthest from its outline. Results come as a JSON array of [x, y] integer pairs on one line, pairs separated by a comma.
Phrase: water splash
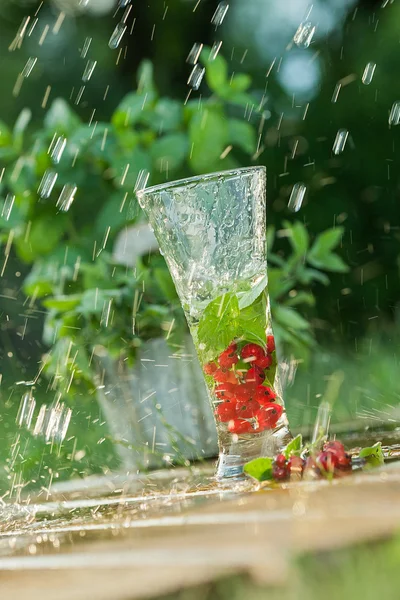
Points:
[[296, 197], [340, 141], [368, 74], [304, 34]]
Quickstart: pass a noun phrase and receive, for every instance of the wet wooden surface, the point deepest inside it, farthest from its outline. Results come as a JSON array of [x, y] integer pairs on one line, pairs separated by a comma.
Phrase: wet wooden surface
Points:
[[154, 545]]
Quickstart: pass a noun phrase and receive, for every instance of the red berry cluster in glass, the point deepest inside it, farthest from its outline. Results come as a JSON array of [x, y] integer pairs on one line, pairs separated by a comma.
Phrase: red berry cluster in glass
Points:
[[247, 405], [331, 460]]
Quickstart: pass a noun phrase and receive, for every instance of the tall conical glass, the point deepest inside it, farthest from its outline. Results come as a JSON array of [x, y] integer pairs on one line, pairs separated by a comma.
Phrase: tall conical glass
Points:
[[211, 230]]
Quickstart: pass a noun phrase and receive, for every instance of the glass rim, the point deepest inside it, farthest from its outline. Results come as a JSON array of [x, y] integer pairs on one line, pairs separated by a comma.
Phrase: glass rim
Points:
[[229, 173]]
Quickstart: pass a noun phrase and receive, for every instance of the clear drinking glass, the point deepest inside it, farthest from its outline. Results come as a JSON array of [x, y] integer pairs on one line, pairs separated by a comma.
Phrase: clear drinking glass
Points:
[[212, 232]]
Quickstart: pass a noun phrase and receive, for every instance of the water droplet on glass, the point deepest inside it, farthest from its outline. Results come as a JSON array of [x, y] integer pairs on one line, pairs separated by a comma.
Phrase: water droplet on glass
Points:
[[304, 34], [220, 14], [194, 54], [88, 72], [196, 77], [340, 141], [117, 36], [296, 197], [30, 63], [26, 410], [57, 150], [47, 184], [7, 206], [394, 115], [66, 197], [216, 47], [368, 73], [86, 46]]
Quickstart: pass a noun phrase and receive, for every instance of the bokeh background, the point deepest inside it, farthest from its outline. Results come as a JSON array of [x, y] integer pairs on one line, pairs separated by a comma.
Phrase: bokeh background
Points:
[[296, 97]]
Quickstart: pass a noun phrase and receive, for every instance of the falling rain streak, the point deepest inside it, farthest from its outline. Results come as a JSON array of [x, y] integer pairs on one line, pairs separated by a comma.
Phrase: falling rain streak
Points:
[[66, 197], [304, 34], [47, 184], [340, 141], [88, 72], [194, 54], [117, 36], [394, 115], [196, 77], [7, 206], [296, 197], [28, 68], [368, 74], [52, 422], [57, 150], [220, 14]]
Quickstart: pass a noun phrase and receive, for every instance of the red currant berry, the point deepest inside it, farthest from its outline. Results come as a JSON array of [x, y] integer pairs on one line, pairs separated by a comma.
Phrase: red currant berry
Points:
[[255, 375], [327, 461], [225, 412], [264, 363], [280, 473], [228, 358], [296, 465], [240, 426], [221, 376], [231, 378], [210, 368], [247, 408], [335, 447], [264, 394], [224, 391], [244, 391], [280, 460], [252, 352], [268, 416], [344, 462], [270, 344]]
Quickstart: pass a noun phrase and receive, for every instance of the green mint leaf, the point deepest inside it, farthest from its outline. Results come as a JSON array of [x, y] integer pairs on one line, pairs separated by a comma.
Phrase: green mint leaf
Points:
[[247, 298], [218, 326], [373, 456], [259, 468], [252, 322], [294, 447]]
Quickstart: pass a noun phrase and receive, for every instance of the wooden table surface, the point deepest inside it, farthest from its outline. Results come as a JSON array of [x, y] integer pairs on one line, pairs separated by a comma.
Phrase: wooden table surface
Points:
[[139, 543]]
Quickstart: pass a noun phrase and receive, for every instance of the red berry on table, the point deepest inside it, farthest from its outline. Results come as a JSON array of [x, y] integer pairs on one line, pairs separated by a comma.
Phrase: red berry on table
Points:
[[335, 447], [280, 473], [255, 375], [228, 358], [246, 408], [252, 352], [344, 462], [327, 461], [296, 466], [270, 344], [240, 426], [268, 416], [264, 394], [280, 460], [264, 363], [225, 412], [210, 368]]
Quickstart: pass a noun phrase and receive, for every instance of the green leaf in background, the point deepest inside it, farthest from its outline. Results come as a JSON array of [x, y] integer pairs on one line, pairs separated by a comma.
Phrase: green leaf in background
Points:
[[63, 303], [216, 71], [111, 215], [294, 447], [132, 107], [127, 164], [218, 326], [301, 297], [298, 237], [61, 118], [242, 135], [5, 135], [166, 116], [373, 456], [240, 82], [330, 262], [321, 255], [44, 235], [259, 468], [165, 283], [169, 152], [145, 77], [208, 134], [289, 318], [327, 241]]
